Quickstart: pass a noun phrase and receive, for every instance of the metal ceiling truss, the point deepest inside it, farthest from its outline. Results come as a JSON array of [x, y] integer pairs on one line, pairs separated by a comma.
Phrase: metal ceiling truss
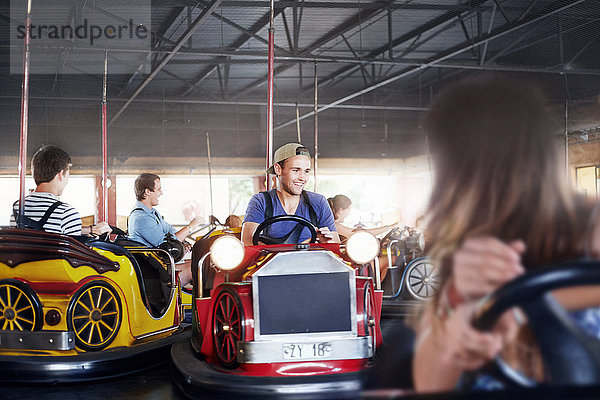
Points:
[[487, 65], [370, 10], [180, 43], [445, 55], [94, 101], [153, 58], [565, 68], [592, 22], [414, 35], [351, 23], [339, 75], [240, 42], [592, 41]]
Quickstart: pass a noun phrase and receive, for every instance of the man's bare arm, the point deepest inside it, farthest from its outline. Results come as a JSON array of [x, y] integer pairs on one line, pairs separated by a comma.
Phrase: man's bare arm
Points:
[[324, 235], [248, 229]]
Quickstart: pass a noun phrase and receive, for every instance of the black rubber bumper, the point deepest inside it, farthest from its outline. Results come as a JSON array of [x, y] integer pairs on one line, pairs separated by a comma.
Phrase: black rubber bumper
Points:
[[89, 366], [197, 379], [399, 308]]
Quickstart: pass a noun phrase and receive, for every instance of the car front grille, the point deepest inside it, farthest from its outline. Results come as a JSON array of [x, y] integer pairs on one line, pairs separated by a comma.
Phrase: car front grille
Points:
[[304, 303]]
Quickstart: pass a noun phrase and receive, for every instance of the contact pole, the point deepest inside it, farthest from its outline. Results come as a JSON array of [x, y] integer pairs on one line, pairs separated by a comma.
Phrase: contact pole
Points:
[[104, 197], [24, 114], [316, 127], [298, 124], [270, 68], [209, 176], [567, 140]]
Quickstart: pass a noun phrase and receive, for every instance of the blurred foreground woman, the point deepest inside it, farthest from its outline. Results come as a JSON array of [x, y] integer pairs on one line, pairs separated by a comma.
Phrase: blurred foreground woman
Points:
[[500, 205]]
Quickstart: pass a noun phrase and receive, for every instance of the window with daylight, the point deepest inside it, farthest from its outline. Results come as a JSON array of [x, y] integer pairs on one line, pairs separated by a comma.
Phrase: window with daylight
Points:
[[588, 181], [79, 193], [186, 197]]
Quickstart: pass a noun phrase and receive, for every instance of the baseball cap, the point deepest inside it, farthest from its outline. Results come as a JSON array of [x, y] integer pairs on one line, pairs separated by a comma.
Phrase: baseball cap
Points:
[[286, 151]]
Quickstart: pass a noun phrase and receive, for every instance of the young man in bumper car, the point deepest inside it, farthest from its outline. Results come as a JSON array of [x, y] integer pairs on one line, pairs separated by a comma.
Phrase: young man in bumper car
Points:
[[287, 317], [71, 311]]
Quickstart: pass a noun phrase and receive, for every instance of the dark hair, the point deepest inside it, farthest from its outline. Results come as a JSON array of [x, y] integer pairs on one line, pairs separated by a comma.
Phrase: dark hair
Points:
[[233, 221], [49, 161], [339, 202], [143, 182]]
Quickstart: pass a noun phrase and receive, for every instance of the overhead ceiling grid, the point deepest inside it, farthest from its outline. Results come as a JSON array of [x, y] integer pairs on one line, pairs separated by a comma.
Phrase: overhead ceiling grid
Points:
[[378, 64]]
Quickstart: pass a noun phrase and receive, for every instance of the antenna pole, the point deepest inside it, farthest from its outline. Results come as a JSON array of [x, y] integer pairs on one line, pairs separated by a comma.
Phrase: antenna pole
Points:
[[210, 176], [104, 195], [567, 139], [298, 124], [316, 127], [24, 115], [270, 93]]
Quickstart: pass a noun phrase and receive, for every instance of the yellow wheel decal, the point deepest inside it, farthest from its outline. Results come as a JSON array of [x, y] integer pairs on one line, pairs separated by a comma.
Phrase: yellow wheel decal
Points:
[[18, 298], [84, 326], [24, 308], [99, 297], [25, 320], [17, 310], [95, 316]]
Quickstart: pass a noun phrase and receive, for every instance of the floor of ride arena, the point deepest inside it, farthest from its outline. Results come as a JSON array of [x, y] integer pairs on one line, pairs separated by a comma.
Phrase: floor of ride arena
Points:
[[154, 383]]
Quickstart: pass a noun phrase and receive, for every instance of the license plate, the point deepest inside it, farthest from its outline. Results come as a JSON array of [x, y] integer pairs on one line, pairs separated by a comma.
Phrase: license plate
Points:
[[299, 351]]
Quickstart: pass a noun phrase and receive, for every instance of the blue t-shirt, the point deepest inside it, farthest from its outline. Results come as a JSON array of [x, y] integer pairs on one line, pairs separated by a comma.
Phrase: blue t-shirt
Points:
[[256, 213], [147, 226]]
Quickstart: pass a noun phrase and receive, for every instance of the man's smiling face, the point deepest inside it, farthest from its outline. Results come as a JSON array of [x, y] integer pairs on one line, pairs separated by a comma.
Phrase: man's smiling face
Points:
[[294, 174]]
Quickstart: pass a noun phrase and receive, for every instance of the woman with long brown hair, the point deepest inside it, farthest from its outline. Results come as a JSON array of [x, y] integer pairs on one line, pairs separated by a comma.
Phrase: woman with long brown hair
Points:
[[499, 205]]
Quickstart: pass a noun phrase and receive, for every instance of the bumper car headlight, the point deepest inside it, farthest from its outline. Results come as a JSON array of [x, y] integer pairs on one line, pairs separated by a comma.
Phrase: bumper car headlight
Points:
[[362, 247], [416, 241], [227, 252], [422, 242]]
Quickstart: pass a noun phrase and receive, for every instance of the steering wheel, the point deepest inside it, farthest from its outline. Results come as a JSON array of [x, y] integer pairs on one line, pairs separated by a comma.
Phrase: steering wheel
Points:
[[116, 231], [395, 233], [173, 246], [258, 236], [570, 356]]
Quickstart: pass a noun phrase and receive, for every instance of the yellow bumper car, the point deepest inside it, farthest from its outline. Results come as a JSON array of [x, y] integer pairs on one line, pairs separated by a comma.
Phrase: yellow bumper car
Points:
[[73, 311]]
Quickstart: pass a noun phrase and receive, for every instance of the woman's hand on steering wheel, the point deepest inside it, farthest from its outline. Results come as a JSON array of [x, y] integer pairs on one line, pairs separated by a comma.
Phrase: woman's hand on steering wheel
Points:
[[482, 264], [465, 347], [576, 359]]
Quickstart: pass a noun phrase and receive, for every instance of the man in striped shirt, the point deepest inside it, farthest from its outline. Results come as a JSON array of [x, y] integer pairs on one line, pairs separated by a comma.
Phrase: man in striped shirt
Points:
[[50, 167]]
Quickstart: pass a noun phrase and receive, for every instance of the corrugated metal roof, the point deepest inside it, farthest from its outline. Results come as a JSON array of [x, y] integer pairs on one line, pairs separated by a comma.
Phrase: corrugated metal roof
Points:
[[217, 80]]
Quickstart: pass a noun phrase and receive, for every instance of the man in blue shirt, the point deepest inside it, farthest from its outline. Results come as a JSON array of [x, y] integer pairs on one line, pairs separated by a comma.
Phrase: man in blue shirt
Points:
[[147, 226], [292, 166]]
